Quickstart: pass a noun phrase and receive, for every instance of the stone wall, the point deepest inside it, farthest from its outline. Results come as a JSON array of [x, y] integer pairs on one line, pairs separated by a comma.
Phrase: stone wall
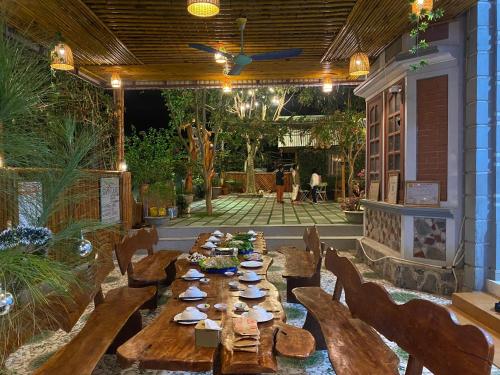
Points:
[[407, 275], [383, 227]]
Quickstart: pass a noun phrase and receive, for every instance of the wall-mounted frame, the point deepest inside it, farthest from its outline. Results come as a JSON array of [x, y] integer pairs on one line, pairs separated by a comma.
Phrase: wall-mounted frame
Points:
[[422, 193], [374, 191], [393, 188]]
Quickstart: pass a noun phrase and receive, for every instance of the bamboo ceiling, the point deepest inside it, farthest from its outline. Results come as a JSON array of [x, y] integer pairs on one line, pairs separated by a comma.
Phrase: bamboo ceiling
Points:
[[146, 40]]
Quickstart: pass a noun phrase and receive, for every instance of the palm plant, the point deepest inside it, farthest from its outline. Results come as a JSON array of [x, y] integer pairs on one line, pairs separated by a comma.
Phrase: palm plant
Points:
[[47, 151]]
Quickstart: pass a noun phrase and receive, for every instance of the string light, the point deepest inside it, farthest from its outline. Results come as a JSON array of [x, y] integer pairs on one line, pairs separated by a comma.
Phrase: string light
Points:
[[276, 100], [226, 88], [116, 81]]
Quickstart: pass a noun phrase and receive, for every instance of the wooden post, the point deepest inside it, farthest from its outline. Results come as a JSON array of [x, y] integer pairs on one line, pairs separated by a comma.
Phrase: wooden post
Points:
[[119, 101]]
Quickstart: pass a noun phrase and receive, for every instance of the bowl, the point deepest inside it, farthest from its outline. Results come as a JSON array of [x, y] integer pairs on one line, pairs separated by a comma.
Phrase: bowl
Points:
[[204, 280], [252, 232], [229, 273], [252, 292], [233, 285], [192, 313], [193, 292], [250, 276], [258, 313], [213, 239], [217, 233], [209, 245], [240, 306], [220, 307], [192, 273], [203, 307]]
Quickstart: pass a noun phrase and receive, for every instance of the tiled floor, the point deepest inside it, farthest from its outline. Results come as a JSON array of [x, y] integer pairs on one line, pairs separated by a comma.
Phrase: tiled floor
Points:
[[234, 210]]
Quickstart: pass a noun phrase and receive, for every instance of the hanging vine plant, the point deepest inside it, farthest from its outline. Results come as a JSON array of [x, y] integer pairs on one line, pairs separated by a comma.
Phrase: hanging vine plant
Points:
[[421, 16]]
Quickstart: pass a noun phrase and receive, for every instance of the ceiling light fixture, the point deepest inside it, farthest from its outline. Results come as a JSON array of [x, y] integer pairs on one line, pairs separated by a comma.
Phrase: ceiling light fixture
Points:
[[422, 5], [61, 57], [203, 8], [226, 88], [359, 64], [116, 81], [327, 85]]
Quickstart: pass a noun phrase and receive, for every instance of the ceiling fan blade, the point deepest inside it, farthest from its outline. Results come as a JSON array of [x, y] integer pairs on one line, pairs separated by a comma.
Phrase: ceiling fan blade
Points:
[[205, 48], [236, 70], [284, 54]]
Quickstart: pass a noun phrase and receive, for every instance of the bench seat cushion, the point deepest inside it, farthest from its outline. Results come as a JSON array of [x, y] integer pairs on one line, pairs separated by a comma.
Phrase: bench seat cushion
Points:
[[298, 263], [354, 348], [152, 268], [83, 352]]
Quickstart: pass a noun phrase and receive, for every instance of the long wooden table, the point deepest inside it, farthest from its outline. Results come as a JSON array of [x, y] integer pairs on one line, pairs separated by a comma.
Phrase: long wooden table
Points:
[[166, 345]]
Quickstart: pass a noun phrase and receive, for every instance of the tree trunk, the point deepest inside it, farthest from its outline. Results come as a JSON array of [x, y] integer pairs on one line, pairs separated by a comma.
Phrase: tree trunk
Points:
[[250, 185], [208, 195], [343, 177], [188, 184]]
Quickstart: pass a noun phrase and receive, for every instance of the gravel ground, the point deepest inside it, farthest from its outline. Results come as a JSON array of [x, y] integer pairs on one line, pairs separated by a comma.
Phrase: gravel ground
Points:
[[27, 358]]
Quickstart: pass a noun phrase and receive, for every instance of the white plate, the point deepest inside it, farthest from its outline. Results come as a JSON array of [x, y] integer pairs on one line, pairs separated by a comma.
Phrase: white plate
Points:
[[262, 294], [263, 319], [251, 264], [192, 278], [241, 278], [179, 317], [220, 307], [181, 296]]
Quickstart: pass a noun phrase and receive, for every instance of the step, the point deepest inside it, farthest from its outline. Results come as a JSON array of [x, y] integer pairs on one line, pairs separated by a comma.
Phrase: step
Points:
[[479, 306], [467, 319], [330, 230], [273, 242]]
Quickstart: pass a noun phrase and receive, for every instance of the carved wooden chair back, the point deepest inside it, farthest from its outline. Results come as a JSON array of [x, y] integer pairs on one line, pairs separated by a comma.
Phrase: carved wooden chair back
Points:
[[141, 239], [314, 244], [305, 237], [428, 332]]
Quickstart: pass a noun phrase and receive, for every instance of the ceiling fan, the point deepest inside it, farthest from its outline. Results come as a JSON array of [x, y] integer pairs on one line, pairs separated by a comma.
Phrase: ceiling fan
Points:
[[241, 60]]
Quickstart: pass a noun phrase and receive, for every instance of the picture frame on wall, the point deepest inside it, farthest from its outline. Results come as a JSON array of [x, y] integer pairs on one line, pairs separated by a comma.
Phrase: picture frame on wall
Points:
[[374, 191], [393, 188], [422, 193]]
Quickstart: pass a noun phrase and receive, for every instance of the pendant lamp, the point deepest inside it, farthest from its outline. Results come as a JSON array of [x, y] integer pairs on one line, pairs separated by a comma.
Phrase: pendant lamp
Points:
[[359, 64], [203, 8], [61, 57]]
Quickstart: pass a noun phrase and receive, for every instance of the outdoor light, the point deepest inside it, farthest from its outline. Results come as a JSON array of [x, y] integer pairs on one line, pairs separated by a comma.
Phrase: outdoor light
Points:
[[2, 164], [327, 85], [61, 57], [276, 100], [256, 104], [116, 81], [247, 106], [421, 5], [271, 89], [123, 166], [226, 88], [250, 92], [359, 64], [203, 8], [242, 108], [219, 57]]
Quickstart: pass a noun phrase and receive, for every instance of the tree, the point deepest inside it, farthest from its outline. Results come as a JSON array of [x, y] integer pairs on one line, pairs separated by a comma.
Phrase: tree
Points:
[[182, 114], [211, 112], [347, 131], [256, 114]]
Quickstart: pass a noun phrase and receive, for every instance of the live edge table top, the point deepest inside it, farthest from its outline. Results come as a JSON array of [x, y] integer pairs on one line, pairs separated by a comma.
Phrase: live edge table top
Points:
[[166, 345]]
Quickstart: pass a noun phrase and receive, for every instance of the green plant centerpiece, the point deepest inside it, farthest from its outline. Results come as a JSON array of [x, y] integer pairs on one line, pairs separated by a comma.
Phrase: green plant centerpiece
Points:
[[219, 264], [240, 241]]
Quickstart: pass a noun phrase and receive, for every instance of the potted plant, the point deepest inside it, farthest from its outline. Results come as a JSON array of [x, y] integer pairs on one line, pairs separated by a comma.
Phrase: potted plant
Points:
[[216, 187], [352, 206], [160, 196]]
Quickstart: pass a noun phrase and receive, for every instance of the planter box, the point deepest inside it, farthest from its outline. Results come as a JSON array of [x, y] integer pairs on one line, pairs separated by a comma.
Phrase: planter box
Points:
[[354, 217], [156, 220]]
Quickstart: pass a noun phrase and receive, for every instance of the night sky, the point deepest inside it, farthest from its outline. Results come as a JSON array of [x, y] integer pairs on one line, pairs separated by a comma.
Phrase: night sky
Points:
[[144, 109]]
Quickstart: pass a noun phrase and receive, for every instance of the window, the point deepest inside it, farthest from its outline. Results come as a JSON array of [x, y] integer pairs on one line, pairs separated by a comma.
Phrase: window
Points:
[[374, 133], [394, 141]]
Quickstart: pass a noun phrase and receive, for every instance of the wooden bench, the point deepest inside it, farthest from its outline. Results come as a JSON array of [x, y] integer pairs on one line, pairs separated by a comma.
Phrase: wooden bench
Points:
[[115, 319], [155, 269], [302, 267], [426, 331]]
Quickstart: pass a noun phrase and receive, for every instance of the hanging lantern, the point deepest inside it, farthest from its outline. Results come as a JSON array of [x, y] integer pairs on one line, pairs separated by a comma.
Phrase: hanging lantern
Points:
[[203, 8], [359, 64], [327, 85], [226, 88], [219, 57], [6, 301], [61, 57], [116, 81], [422, 5], [122, 166]]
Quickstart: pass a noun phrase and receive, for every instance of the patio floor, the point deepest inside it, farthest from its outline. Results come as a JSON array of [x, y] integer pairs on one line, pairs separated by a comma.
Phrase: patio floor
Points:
[[234, 210]]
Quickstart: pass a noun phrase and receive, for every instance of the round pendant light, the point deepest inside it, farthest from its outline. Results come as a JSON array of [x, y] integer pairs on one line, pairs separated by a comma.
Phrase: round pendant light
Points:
[[422, 5], [116, 81], [359, 64], [203, 8], [61, 57]]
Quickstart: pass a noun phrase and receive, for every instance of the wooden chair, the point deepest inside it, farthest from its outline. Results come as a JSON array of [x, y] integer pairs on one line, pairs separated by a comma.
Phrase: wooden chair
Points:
[[302, 267], [157, 268], [426, 331], [115, 319]]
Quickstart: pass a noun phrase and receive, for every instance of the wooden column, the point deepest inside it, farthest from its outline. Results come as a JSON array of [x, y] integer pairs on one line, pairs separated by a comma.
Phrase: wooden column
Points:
[[119, 100]]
